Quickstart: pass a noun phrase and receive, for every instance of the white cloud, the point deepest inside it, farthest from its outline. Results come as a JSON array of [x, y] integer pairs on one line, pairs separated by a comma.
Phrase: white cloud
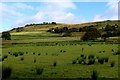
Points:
[[110, 14], [29, 20], [9, 11], [52, 11], [22, 6]]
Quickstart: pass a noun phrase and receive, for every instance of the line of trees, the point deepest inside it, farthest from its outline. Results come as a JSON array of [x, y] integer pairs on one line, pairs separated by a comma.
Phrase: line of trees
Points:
[[91, 33]]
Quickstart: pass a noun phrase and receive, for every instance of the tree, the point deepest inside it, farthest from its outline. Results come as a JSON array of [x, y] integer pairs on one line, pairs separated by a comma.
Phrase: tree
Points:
[[53, 22], [91, 34], [104, 36], [6, 35]]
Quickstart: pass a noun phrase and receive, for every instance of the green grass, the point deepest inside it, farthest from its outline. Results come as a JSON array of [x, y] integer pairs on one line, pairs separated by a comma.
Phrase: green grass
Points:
[[64, 68], [49, 46]]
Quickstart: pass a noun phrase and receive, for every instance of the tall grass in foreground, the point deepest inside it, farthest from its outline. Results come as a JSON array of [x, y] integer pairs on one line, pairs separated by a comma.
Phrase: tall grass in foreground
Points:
[[6, 72], [94, 75]]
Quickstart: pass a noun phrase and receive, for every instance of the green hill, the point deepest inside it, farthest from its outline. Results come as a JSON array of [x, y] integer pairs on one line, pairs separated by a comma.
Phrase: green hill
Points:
[[44, 27], [35, 33]]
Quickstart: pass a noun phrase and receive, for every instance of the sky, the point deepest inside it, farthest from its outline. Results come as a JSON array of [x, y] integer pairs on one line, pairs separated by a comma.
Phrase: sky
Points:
[[17, 14]]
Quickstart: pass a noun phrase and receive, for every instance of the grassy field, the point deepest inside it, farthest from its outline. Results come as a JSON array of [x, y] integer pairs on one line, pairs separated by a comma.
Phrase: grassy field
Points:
[[34, 50], [64, 68]]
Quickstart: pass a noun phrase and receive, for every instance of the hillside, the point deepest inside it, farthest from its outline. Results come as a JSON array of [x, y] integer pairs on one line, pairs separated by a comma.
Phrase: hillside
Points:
[[39, 51], [35, 33], [40, 27]]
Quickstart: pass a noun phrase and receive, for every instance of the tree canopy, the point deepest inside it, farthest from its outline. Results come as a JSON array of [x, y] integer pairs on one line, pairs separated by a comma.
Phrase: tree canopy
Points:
[[91, 34], [6, 35]]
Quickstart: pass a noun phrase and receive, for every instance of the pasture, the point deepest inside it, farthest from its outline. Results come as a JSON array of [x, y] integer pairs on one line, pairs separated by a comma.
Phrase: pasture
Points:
[[63, 54], [36, 53]]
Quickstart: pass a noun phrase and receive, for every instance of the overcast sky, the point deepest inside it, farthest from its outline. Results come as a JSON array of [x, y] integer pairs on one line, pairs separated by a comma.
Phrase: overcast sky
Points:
[[17, 14]]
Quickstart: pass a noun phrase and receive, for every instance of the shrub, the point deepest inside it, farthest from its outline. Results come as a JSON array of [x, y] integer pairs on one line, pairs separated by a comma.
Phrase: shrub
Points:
[[97, 57], [60, 50], [39, 54], [2, 58], [33, 53], [79, 61], [5, 56], [112, 50], [46, 53], [8, 52], [118, 52], [112, 64], [16, 55], [22, 58], [106, 59], [34, 60], [77, 58], [21, 53], [6, 72], [84, 62], [101, 60], [64, 51], [91, 61], [39, 70], [55, 63], [91, 56], [74, 62], [94, 75], [82, 55]]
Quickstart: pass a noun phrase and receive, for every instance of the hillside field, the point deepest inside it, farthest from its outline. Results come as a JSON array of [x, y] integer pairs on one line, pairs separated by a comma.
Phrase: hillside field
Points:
[[34, 49]]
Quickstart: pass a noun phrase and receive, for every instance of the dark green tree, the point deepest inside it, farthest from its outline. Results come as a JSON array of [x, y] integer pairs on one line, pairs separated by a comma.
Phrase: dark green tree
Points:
[[91, 34], [6, 35]]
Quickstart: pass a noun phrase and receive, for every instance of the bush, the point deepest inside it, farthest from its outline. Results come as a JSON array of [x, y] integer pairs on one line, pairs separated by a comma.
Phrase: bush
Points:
[[97, 57], [39, 54], [5, 56], [79, 61], [77, 58], [84, 62], [34, 60], [2, 58], [6, 72], [106, 59], [33, 53], [55, 63], [112, 64], [74, 62], [22, 58], [21, 53], [118, 52], [82, 55], [91, 56], [60, 50], [16, 55], [94, 75], [91, 61], [39, 70], [101, 60], [8, 52]]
